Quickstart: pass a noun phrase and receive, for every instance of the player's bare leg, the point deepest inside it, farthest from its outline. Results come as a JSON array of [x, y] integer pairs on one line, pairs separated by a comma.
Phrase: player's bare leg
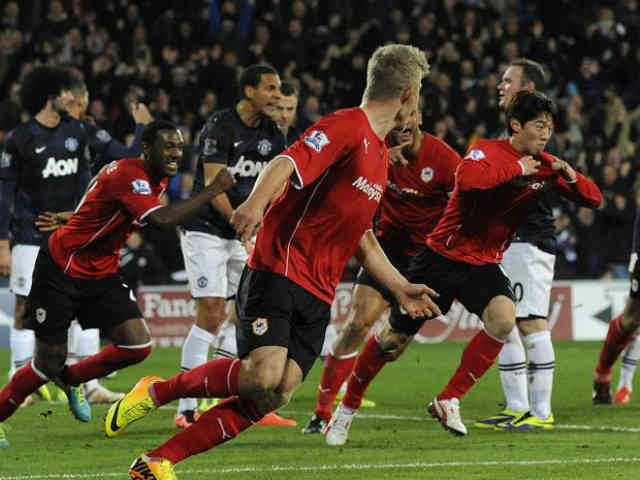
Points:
[[257, 385], [622, 330], [381, 348], [367, 307]]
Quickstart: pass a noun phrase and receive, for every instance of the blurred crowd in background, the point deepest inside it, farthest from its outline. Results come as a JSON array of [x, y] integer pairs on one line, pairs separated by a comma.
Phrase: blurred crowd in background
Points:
[[183, 63]]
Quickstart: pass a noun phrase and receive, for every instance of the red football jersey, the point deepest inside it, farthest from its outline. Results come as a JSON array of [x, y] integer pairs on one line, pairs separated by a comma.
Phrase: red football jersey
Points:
[[492, 199], [122, 194], [417, 194], [313, 229]]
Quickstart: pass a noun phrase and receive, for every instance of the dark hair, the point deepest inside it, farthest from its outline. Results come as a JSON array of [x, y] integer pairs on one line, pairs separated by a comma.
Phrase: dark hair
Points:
[[151, 131], [287, 89], [526, 106], [43, 83], [251, 76], [531, 72]]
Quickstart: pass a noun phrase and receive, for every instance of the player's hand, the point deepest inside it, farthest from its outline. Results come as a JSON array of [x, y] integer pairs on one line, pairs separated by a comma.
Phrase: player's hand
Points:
[[396, 157], [566, 170], [416, 301], [140, 113], [5, 258], [246, 220], [249, 245], [529, 165], [50, 221]]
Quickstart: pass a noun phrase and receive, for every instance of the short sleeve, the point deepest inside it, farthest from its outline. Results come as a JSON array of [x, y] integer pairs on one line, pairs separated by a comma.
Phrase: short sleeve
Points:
[[132, 188], [9, 159], [98, 138], [323, 144], [213, 143]]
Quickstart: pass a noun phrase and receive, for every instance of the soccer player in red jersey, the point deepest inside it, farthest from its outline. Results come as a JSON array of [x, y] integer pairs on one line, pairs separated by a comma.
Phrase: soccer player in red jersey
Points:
[[334, 178], [497, 185], [76, 270], [415, 198]]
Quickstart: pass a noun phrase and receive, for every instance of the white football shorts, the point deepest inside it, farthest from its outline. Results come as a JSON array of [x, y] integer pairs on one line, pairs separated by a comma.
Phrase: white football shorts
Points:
[[213, 264], [531, 273], [23, 261]]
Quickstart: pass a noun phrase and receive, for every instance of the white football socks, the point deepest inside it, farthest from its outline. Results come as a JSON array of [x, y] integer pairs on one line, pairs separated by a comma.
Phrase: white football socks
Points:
[[541, 366], [195, 351], [630, 359], [513, 372]]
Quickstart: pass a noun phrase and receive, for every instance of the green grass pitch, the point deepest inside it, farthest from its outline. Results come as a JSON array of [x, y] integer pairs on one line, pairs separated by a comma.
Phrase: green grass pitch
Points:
[[395, 440]]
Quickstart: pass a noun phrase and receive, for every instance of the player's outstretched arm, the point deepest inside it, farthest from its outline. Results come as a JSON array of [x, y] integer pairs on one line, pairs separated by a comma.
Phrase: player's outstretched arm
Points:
[[50, 221], [576, 186], [414, 298], [177, 213], [247, 218]]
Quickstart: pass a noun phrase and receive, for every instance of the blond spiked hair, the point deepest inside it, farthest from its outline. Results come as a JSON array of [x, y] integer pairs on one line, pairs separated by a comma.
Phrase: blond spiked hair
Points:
[[392, 69]]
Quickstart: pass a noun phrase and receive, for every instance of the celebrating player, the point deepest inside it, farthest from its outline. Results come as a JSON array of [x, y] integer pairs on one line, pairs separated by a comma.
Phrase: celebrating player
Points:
[[529, 264], [335, 177], [44, 167], [497, 186], [415, 198], [75, 275]]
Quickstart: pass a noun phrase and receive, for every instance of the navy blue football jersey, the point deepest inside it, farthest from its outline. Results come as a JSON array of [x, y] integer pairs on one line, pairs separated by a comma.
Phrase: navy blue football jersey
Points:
[[50, 169], [226, 139]]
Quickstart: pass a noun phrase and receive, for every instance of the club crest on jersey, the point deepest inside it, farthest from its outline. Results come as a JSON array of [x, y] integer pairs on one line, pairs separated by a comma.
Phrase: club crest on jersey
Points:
[[260, 326], [141, 187], [427, 174], [317, 140], [264, 147], [103, 136], [210, 146], [71, 144], [475, 155], [41, 315], [202, 282]]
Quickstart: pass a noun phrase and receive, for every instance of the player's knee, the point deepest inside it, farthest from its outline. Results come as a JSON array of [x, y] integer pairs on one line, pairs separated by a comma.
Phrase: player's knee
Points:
[[500, 317], [210, 313], [51, 363], [266, 378]]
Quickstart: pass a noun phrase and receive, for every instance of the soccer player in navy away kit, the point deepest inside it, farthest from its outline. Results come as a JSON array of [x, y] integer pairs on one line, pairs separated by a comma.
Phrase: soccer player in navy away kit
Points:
[[45, 166], [497, 186], [335, 176], [76, 270], [414, 200], [242, 140]]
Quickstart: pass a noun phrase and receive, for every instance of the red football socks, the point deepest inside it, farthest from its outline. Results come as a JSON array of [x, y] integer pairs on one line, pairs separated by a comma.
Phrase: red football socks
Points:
[[24, 382], [368, 364], [335, 372], [481, 352], [215, 426], [617, 340], [215, 379], [107, 360]]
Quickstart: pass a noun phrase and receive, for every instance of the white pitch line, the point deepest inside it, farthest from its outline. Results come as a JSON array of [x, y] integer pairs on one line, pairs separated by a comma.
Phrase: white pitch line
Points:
[[353, 466]]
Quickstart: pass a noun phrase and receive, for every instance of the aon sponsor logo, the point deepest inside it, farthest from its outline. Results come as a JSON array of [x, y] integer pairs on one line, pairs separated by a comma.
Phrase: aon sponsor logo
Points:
[[247, 168], [60, 168]]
